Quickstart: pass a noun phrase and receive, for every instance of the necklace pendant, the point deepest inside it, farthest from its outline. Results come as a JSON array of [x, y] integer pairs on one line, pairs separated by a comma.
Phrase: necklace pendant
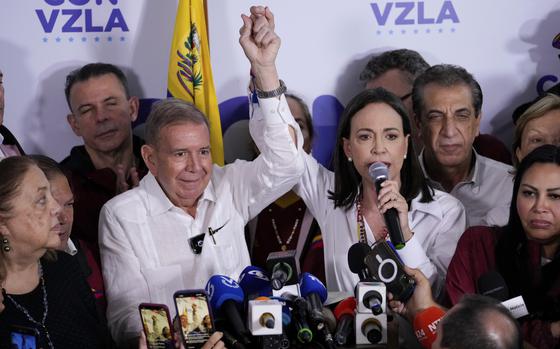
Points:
[[284, 247]]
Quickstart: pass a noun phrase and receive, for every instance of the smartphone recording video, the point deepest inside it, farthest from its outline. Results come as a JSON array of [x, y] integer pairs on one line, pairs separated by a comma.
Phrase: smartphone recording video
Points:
[[157, 326], [195, 317]]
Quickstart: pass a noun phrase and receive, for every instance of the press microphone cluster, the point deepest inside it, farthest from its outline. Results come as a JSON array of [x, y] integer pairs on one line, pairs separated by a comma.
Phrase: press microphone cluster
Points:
[[293, 319]]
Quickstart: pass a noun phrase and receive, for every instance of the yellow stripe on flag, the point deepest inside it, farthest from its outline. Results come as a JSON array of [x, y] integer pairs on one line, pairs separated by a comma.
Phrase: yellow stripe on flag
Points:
[[189, 75]]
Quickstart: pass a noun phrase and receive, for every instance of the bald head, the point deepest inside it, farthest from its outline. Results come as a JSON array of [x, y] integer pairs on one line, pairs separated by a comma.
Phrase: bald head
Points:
[[479, 322]]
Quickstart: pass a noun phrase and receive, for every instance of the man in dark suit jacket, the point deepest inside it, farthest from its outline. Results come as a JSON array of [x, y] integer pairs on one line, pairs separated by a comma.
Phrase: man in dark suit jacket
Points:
[[9, 144]]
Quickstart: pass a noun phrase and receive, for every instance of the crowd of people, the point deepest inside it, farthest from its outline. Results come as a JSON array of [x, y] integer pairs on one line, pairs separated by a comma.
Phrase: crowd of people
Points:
[[124, 220]]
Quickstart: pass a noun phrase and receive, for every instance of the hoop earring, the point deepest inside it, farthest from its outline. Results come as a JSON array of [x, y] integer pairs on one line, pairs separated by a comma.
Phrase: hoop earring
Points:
[[6, 244]]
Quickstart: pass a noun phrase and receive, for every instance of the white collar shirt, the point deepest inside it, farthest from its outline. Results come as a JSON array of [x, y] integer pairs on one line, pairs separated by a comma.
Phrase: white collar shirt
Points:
[[437, 227], [485, 193], [144, 237]]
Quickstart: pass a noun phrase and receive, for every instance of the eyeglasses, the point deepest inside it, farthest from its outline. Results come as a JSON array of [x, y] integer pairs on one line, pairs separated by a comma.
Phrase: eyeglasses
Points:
[[403, 98]]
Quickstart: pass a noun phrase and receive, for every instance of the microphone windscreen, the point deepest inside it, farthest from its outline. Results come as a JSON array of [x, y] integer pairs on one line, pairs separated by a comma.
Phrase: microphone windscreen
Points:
[[425, 325], [346, 307], [221, 288], [492, 284], [254, 282], [310, 284], [378, 170], [356, 255]]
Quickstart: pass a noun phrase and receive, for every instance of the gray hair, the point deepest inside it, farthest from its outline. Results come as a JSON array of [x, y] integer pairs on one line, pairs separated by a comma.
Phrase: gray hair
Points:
[[445, 75], [171, 111], [407, 61]]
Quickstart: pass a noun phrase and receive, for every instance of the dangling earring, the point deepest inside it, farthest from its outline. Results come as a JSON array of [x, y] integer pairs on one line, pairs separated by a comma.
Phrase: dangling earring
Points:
[[6, 245], [349, 159]]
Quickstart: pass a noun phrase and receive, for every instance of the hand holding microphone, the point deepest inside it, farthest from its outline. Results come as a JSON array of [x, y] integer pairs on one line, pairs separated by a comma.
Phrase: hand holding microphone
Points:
[[392, 205], [420, 300]]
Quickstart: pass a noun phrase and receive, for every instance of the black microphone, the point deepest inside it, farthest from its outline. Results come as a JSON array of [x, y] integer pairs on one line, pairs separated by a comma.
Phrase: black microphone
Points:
[[379, 173], [492, 284], [356, 256], [345, 314], [283, 267], [374, 301], [231, 342], [300, 309]]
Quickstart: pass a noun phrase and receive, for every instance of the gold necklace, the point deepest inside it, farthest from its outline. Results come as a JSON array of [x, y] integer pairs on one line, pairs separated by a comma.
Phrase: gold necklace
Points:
[[284, 246]]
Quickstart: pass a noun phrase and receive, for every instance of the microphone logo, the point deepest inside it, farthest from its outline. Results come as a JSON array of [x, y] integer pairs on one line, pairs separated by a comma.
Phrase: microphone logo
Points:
[[229, 282], [384, 277], [258, 274], [313, 278]]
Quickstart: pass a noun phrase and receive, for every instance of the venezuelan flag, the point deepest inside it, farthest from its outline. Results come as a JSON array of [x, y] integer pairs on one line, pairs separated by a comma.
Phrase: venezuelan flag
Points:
[[189, 75]]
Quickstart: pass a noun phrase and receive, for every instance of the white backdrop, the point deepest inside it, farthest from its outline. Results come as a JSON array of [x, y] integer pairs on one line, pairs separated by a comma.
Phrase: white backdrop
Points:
[[506, 44]]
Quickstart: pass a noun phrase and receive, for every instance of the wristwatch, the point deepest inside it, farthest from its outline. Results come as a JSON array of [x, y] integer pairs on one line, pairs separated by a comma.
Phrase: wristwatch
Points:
[[274, 93]]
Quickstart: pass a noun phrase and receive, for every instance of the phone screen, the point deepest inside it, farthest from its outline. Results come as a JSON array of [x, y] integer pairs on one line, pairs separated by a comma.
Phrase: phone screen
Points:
[[195, 318], [23, 338], [157, 327]]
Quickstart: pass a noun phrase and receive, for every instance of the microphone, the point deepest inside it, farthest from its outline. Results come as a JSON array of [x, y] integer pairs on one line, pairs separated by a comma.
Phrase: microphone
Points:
[[225, 295], [286, 313], [356, 256], [231, 342], [316, 294], [384, 265], [330, 320], [255, 283], [372, 330], [299, 316], [492, 284], [425, 325], [373, 300], [261, 316], [344, 313], [283, 267], [379, 173]]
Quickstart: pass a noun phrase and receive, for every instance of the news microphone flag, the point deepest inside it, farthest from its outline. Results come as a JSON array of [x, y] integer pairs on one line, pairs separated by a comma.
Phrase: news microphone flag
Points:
[[189, 74]]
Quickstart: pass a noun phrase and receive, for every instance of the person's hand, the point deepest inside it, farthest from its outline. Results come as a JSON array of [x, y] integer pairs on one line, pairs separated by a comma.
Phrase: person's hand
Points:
[[214, 341], [261, 44], [123, 178], [142, 343], [420, 300], [390, 197]]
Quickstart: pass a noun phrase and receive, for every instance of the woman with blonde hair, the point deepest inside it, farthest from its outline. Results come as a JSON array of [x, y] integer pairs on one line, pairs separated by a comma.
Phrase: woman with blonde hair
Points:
[[538, 125]]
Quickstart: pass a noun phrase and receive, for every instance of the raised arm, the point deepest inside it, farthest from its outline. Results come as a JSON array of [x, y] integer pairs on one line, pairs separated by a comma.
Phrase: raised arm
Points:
[[261, 44], [272, 126]]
